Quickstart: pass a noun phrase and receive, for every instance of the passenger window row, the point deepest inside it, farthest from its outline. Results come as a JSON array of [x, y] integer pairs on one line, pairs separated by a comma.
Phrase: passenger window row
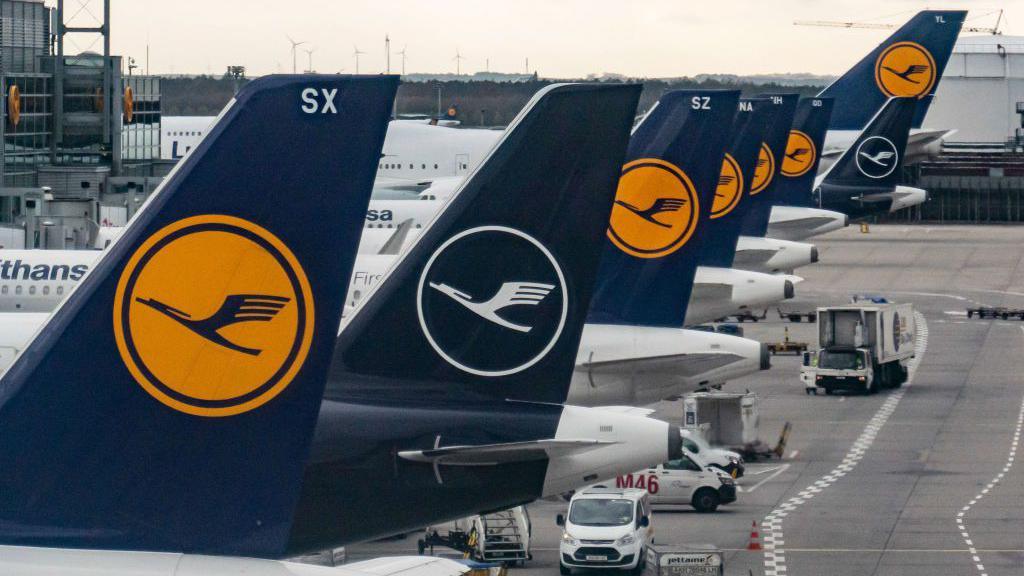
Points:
[[18, 290]]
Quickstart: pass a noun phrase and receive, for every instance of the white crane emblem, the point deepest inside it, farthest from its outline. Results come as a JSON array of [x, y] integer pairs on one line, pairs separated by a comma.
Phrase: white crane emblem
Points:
[[510, 294]]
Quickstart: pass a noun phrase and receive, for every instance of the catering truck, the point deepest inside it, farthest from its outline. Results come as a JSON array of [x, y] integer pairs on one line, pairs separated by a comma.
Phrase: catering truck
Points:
[[863, 346]]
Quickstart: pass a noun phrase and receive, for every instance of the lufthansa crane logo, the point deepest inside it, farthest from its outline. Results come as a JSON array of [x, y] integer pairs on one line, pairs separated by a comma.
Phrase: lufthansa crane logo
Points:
[[492, 301], [730, 188], [905, 69], [764, 172], [800, 154], [213, 316], [655, 211], [877, 157]]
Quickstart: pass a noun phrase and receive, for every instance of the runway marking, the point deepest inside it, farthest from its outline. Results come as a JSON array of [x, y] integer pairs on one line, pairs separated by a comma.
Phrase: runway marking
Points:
[[960, 522], [778, 470], [771, 526]]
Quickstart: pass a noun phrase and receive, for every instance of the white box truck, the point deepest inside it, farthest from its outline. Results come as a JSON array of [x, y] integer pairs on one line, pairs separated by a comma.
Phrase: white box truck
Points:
[[864, 346]]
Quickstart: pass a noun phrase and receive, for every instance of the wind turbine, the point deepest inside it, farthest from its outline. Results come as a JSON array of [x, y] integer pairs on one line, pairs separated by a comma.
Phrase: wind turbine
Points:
[[402, 54], [294, 46], [458, 62], [309, 52], [356, 52]]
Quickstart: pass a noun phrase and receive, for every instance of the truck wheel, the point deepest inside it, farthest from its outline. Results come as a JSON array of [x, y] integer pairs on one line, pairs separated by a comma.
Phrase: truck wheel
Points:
[[705, 501], [564, 570]]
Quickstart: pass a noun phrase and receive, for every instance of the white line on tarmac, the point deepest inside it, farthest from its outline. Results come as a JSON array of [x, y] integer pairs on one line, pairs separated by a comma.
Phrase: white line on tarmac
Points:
[[778, 471], [960, 522], [774, 551]]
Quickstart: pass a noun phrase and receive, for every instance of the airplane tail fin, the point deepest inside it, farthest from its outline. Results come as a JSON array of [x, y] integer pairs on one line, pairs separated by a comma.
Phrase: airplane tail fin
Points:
[[169, 402], [660, 220], [490, 300], [876, 156], [754, 117], [769, 165], [803, 152], [910, 62]]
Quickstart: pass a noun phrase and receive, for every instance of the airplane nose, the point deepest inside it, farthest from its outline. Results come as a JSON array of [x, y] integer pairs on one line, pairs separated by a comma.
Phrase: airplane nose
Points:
[[675, 443], [766, 357], [814, 254], [790, 291]]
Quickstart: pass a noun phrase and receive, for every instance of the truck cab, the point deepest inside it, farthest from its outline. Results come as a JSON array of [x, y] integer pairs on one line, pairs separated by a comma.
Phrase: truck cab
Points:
[[839, 367]]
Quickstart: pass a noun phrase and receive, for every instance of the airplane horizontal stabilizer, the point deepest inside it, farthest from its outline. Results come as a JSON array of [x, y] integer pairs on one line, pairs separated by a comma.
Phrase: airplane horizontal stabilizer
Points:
[[494, 454]]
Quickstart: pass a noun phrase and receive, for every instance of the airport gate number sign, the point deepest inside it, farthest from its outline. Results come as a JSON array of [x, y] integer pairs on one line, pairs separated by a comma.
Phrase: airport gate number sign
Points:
[[647, 482]]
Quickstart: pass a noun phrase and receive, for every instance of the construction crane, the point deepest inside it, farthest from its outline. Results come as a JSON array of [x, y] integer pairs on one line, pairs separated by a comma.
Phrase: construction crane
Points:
[[878, 26]]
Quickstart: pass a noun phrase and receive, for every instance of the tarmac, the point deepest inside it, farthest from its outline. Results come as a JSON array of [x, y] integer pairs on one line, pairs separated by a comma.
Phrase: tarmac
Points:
[[920, 481]]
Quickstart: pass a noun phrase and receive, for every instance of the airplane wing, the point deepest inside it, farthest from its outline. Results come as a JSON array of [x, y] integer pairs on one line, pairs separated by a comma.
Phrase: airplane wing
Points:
[[392, 184], [752, 257], [407, 566], [631, 410], [808, 223], [684, 365], [494, 454], [394, 244], [711, 292]]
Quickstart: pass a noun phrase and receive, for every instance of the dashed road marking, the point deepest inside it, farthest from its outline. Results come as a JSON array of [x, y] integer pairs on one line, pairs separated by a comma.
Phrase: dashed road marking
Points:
[[774, 544], [961, 515]]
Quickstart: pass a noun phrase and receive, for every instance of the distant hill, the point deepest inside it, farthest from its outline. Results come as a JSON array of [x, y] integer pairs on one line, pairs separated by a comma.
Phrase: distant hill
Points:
[[490, 102]]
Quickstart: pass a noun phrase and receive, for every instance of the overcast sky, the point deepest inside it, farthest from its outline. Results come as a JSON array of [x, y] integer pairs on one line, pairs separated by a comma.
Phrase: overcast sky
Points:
[[561, 38]]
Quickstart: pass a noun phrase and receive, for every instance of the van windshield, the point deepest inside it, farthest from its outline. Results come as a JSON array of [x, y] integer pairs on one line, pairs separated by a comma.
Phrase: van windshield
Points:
[[833, 360], [594, 512]]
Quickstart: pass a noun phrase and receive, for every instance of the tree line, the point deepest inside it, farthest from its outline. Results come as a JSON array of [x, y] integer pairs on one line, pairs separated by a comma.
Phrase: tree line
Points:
[[478, 103]]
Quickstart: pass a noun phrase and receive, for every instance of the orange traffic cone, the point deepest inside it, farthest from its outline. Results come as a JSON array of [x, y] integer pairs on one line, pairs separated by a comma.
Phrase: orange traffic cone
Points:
[[755, 538]]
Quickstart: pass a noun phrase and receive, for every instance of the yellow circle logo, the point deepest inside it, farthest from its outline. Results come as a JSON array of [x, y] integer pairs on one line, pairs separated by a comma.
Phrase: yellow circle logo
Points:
[[14, 105], [655, 211], [905, 69], [730, 188], [765, 171], [800, 154], [213, 316]]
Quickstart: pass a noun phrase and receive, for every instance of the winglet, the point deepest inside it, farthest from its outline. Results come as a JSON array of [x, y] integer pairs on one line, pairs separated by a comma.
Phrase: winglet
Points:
[[534, 211], [661, 219], [910, 62], [122, 429]]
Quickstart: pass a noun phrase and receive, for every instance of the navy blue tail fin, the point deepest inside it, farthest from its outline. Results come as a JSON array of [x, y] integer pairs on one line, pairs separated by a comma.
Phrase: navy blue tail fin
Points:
[[909, 63], [803, 152], [732, 200], [662, 209], [169, 403], [875, 157], [491, 300], [769, 165]]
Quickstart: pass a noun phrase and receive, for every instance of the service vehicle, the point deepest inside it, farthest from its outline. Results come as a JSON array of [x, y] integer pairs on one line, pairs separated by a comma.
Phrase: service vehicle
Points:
[[726, 460], [688, 481], [606, 528], [864, 347]]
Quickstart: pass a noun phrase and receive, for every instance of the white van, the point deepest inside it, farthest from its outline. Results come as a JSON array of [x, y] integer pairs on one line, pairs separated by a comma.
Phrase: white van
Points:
[[727, 460], [606, 528], [687, 480]]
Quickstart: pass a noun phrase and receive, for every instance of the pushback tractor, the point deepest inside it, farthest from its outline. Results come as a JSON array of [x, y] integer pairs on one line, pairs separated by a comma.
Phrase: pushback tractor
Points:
[[863, 347]]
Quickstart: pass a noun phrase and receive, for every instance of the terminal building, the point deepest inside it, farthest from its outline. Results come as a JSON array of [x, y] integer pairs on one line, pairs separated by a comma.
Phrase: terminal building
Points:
[[81, 138]]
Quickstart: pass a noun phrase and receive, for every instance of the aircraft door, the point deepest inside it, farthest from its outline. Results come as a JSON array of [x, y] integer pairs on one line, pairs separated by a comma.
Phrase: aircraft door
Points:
[[461, 164]]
